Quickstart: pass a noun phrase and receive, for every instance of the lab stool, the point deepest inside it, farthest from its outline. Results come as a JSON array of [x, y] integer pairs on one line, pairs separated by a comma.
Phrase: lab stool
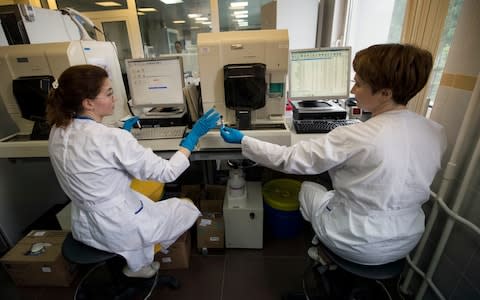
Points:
[[363, 281], [93, 285]]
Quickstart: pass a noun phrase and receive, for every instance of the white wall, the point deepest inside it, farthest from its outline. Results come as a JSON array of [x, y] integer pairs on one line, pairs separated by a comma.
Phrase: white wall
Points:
[[300, 18]]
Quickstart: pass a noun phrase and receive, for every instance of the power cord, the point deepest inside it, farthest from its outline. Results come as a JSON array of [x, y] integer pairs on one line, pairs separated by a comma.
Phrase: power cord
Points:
[[155, 281], [130, 107], [84, 277], [384, 289]]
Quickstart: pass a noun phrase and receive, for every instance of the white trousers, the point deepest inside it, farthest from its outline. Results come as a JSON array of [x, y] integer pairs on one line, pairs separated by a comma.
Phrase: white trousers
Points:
[[312, 199]]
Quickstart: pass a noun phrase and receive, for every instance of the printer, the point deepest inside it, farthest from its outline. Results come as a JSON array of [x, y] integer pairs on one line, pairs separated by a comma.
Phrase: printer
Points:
[[317, 110]]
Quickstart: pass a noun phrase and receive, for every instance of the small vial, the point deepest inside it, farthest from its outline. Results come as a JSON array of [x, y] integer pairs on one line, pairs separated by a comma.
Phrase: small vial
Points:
[[222, 122]]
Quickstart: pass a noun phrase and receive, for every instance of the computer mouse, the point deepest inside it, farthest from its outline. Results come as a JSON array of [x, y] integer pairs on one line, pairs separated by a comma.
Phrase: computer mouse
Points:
[[37, 248]]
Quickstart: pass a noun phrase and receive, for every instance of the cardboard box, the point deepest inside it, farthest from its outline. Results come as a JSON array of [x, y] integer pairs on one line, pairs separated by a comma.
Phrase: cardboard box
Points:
[[211, 225], [48, 268], [178, 255], [192, 192]]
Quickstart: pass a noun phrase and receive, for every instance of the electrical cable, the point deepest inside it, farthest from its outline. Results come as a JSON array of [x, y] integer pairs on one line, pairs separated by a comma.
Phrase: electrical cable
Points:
[[130, 108], [454, 215], [155, 281], [384, 289], [399, 290], [304, 285], [428, 280], [85, 277]]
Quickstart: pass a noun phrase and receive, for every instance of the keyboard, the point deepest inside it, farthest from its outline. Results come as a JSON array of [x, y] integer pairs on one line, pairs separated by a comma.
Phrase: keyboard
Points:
[[320, 126], [154, 133]]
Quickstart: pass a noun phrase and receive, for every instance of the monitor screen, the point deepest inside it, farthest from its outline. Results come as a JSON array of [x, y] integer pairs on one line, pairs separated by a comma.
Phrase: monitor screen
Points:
[[156, 82], [317, 74]]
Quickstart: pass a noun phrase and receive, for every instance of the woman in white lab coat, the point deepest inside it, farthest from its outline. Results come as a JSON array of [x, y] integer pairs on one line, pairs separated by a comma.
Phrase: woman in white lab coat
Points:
[[94, 165], [381, 169]]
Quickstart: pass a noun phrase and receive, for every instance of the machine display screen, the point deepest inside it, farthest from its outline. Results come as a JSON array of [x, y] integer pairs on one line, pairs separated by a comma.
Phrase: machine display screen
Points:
[[316, 74], [156, 82]]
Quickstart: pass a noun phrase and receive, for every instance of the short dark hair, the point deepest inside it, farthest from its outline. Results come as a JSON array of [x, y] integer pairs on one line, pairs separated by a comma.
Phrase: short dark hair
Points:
[[402, 68], [74, 84]]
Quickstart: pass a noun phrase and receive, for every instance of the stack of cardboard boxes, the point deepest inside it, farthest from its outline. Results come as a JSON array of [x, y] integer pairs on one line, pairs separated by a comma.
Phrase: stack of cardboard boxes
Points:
[[177, 256], [49, 268], [211, 225]]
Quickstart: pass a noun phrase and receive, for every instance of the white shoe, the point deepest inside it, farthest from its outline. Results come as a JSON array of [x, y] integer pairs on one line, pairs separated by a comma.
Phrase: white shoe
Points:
[[155, 265], [146, 272], [313, 254]]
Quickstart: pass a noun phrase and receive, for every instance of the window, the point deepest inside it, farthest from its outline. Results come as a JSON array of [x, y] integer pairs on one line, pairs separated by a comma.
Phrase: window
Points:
[[374, 22], [443, 48], [240, 15], [161, 25]]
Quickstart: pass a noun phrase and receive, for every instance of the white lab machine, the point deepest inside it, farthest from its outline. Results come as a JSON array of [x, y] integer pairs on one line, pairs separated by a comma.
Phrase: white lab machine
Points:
[[243, 75], [243, 211], [268, 47], [24, 24], [51, 59]]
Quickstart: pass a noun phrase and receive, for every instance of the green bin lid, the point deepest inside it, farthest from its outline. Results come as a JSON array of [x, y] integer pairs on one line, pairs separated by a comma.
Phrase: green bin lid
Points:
[[282, 194]]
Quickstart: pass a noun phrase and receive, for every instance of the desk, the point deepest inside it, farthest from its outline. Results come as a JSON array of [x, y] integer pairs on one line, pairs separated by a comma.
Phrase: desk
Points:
[[210, 147], [28, 186]]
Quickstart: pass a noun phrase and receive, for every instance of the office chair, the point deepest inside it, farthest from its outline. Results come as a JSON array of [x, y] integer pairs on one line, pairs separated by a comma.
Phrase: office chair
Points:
[[343, 279], [93, 286]]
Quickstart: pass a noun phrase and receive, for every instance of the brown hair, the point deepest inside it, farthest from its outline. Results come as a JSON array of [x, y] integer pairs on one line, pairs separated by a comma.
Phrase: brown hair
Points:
[[402, 68], [74, 85]]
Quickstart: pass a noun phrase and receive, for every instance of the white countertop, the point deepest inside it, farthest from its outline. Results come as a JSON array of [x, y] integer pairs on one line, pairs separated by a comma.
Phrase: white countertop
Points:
[[23, 147]]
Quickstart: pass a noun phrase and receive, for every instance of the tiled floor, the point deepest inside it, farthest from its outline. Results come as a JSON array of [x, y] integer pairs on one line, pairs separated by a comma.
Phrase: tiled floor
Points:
[[269, 273], [235, 274]]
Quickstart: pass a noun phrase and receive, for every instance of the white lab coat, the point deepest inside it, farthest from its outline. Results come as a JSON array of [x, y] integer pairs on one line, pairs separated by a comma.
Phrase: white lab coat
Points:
[[381, 171], [94, 165]]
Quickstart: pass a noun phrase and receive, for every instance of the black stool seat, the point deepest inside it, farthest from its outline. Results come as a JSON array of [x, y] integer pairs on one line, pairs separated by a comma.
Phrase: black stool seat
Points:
[[105, 280], [79, 253], [377, 272]]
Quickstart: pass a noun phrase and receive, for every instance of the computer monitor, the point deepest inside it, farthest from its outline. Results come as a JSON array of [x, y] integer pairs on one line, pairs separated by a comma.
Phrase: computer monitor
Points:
[[156, 82], [319, 74]]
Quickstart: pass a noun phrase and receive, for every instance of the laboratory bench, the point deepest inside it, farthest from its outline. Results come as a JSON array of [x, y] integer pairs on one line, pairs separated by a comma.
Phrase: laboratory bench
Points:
[[29, 186]]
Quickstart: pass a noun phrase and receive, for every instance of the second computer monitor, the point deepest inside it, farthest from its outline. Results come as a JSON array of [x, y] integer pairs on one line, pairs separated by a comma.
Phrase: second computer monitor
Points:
[[319, 74], [156, 82]]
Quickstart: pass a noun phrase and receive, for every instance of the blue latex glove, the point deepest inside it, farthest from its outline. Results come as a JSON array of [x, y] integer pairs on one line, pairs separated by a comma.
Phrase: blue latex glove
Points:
[[128, 124], [202, 126], [231, 135]]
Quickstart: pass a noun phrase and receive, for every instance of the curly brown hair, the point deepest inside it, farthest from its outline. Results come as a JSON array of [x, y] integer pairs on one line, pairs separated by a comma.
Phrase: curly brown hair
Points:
[[74, 85], [400, 67]]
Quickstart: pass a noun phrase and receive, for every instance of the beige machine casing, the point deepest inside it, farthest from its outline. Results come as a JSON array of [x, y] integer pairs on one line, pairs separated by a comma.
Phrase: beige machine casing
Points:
[[52, 59], [270, 47], [244, 223]]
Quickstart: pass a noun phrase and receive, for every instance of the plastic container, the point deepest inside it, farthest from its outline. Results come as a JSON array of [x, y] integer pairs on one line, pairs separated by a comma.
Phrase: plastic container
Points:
[[281, 208]]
